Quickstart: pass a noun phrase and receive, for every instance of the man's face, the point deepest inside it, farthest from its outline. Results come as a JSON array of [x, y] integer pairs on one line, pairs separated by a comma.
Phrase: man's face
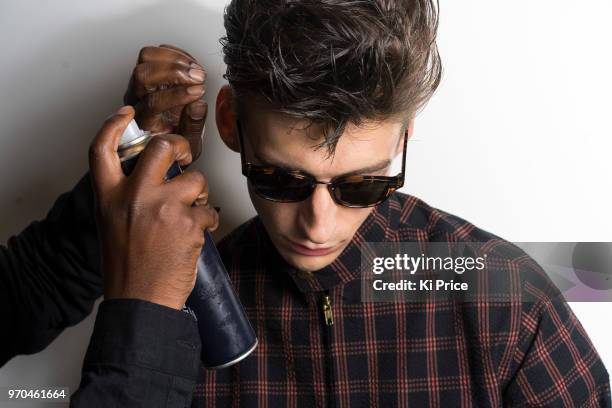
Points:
[[317, 223]]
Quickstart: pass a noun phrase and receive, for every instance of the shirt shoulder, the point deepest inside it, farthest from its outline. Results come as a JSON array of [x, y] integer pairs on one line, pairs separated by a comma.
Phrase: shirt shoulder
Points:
[[416, 220], [410, 213]]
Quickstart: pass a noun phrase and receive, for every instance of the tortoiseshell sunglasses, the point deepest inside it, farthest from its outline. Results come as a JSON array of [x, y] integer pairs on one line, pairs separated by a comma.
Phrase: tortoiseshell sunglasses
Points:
[[287, 186]]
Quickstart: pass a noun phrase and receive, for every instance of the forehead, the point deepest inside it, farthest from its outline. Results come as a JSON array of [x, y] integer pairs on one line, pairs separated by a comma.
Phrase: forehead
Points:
[[281, 139]]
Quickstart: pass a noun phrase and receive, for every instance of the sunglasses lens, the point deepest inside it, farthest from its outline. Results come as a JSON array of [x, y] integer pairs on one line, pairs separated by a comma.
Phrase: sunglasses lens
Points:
[[280, 186], [362, 193], [355, 191]]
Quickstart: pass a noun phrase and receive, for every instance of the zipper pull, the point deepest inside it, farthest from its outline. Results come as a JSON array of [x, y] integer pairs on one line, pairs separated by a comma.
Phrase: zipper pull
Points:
[[327, 311]]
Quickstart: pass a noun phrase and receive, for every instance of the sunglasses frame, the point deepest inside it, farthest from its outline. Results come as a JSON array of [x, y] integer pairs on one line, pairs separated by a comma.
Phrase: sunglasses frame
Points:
[[394, 182]]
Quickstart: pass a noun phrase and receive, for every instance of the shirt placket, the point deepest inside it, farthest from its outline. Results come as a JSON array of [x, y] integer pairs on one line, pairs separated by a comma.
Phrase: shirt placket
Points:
[[322, 320], [322, 339], [327, 341]]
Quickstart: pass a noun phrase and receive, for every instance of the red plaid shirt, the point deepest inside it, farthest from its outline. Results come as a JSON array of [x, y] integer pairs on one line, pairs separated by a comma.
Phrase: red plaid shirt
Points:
[[399, 354]]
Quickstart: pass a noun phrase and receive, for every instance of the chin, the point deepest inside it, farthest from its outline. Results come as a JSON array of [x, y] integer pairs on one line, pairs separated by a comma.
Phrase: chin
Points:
[[309, 263]]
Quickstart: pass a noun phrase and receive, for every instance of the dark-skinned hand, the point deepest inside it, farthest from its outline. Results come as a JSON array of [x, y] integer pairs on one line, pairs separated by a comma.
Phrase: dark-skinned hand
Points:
[[166, 89], [150, 234]]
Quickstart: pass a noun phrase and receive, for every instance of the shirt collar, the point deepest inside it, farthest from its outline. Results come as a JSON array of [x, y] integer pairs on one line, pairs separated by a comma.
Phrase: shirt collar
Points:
[[347, 266]]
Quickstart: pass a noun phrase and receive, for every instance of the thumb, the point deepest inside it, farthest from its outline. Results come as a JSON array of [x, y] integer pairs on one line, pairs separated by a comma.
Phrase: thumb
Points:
[[104, 163]]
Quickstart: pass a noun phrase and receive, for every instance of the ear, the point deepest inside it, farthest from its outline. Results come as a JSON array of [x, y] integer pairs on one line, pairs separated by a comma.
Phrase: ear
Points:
[[226, 118], [410, 127]]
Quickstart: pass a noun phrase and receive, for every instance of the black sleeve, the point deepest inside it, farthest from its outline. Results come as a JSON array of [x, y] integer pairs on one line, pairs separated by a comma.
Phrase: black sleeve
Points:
[[141, 354], [49, 274]]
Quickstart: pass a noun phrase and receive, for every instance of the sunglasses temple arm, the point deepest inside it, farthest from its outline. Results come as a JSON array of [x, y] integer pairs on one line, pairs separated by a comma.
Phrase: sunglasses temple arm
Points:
[[402, 175], [241, 145]]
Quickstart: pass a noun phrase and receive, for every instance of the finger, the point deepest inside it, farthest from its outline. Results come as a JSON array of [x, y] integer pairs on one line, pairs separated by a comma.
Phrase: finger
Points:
[[182, 51], [150, 76], [156, 159], [191, 125], [159, 124], [214, 227], [152, 105], [206, 217], [189, 188], [162, 54], [104, 163]]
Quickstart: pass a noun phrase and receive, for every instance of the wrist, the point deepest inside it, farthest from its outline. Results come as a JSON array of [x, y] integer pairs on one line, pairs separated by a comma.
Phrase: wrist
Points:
[[136, 332], [159, 299]]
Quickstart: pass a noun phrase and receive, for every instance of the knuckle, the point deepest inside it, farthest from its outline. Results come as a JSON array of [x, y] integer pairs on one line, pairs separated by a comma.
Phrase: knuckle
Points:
[[141, 73], [144, 53], [198, 178], [160, 144], [96, 151], [165, 211], [109, 123], [190, 225], [178, 139], [180, 143]]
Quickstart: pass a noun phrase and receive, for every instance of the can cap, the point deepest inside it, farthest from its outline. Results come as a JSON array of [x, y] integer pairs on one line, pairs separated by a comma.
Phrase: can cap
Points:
[[132, 134]]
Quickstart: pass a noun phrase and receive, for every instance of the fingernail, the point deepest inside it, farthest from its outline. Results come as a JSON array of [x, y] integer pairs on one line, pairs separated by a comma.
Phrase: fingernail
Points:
[[197, 74], [197, 111], [218, 209], [201, 200], [195, 90], [124, 110]]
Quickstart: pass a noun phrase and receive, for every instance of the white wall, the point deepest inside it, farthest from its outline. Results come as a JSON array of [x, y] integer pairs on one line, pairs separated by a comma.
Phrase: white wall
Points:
[[516, 140]]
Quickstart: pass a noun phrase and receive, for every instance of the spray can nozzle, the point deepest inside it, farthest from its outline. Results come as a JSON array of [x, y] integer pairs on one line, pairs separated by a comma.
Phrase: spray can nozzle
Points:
[[133, 135]]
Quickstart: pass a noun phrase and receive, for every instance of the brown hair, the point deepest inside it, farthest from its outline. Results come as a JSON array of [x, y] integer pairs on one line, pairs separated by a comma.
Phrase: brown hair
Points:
[[333, 61]]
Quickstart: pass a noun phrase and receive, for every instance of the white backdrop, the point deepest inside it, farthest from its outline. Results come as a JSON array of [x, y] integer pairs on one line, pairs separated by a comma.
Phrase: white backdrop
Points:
[[517, 139]]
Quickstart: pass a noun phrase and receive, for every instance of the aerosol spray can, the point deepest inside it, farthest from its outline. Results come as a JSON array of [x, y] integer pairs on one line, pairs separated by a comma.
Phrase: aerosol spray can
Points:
[[226, 333]]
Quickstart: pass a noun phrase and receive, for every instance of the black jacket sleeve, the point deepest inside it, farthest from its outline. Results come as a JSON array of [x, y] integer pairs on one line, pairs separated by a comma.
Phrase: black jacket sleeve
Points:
[[49, 274], [141, 354]]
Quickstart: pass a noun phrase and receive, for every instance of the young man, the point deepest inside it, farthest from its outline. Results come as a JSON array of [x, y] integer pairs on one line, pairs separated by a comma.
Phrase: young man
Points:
[[320, 92]]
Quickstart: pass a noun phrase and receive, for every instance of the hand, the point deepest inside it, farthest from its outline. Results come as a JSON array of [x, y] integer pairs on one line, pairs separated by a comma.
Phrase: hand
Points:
[[166, 89], [151, 235]]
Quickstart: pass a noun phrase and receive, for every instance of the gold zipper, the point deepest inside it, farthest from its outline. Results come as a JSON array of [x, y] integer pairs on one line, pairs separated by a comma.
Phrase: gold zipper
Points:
[[327, 311]]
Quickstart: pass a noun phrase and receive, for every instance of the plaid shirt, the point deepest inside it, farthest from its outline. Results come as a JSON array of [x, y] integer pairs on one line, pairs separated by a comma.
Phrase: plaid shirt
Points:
[[399, 354]]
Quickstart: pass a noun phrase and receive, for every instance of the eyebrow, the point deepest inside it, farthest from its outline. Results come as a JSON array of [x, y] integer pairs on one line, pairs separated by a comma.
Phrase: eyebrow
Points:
[[363, 171]]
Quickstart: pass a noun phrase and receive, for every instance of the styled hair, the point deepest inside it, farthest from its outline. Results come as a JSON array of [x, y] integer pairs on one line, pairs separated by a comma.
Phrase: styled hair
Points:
[[333, 61]]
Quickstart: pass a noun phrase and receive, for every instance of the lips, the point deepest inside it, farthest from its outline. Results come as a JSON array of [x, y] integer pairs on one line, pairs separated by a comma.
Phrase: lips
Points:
[[310, 251]]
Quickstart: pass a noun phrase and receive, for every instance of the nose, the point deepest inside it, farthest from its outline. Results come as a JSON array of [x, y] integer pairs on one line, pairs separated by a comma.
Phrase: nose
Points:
[[318, 215]]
